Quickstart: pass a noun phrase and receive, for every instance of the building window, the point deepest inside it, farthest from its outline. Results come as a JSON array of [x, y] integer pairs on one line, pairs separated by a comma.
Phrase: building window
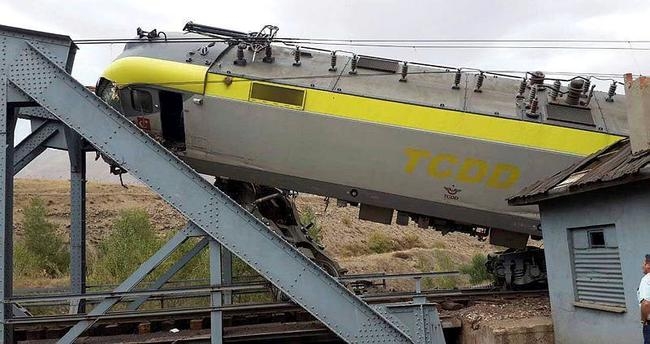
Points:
[[596, 264], [596, 239]]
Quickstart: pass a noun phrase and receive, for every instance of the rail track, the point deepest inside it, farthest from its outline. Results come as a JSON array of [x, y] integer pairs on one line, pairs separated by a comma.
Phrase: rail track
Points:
[[243, 323]]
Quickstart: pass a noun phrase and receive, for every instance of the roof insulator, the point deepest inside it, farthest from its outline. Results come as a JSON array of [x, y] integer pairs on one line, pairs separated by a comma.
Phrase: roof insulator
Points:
[[457, 78], [405, 71], [479, 82], [533, 94], [611, 92], [296, 57], [240, 61], [333, 62], [268, 55], [533, 108], [353, 64], [522, 88], [574, 91], [537, 78], [555, 90]]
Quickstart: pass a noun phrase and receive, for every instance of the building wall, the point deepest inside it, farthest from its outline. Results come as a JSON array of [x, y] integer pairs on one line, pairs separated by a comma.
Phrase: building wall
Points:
[[628, 208]]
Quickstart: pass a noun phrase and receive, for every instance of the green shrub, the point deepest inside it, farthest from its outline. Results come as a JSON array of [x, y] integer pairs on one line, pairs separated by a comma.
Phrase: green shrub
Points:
[[198, 268], [409, 241], [378, 242], [131, 242], [444, 262], [41, 251], [476, 269], [440, 261], [307, 217], [24, 261]]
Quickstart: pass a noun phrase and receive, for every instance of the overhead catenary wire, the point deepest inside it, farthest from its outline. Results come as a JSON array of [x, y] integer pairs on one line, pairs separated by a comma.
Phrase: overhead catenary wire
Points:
[[380, 45], [389, 42], [408, 43]]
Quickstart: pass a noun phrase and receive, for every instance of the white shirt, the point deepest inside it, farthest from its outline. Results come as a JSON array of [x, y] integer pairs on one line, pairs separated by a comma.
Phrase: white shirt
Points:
[[643, 293]]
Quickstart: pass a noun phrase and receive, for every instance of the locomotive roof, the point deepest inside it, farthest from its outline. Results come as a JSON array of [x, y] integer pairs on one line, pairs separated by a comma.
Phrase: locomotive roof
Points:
[[425, 85]]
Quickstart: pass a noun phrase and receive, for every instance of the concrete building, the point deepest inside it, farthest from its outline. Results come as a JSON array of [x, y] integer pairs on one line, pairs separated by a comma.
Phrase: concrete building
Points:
[[595, 221]]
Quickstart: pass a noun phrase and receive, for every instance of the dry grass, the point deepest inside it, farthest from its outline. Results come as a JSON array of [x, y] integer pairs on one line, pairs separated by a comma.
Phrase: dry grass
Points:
[[439, 244], [345, 237]]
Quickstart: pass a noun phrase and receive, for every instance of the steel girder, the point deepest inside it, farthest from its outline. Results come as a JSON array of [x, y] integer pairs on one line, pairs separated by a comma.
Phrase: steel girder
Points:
[[136, 277], [77, 157], [216, 315], [6, 208], [33, 145], [167, 275]]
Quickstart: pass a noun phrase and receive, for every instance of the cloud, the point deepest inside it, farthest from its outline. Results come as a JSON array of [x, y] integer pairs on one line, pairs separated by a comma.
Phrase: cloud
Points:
[[346, 19], [416, 19]]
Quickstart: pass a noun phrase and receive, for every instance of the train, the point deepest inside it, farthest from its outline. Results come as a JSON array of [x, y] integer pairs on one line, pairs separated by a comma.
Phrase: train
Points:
[[404, 141]]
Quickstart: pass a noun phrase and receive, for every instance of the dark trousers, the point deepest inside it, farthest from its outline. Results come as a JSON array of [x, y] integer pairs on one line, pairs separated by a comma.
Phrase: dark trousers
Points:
[[646, 334]]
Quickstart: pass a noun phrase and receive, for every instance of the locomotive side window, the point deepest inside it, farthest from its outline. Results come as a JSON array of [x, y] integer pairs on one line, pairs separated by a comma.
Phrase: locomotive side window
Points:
[[277, 95], [142, 101]]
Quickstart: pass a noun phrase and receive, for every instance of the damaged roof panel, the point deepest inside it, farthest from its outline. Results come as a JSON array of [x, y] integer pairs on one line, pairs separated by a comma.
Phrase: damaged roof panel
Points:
[[611, 166]]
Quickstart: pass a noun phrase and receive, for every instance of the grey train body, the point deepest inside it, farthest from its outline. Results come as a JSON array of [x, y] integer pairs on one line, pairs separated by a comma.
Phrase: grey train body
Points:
[[346, 127]]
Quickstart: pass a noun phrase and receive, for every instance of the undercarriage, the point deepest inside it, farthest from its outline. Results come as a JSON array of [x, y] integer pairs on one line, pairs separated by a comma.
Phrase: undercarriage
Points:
[[277, 209]]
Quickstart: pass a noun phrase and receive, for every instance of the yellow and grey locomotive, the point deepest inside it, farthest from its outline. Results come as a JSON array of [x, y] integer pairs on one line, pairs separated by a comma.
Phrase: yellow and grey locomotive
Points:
[[441, 146]]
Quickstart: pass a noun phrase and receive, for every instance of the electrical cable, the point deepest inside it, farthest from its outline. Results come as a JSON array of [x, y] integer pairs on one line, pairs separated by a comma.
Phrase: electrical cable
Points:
[[382, 43], [373, 45], [397, 42]]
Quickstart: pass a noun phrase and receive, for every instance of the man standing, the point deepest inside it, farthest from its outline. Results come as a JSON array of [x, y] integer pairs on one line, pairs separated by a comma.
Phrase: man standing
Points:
[[643, 294]]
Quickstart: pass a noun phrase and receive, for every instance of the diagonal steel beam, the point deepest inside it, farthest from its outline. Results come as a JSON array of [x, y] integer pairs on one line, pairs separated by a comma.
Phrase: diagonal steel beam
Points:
[[35, 112], [136, 277], [219, 216], [33, 145], [164, 278]]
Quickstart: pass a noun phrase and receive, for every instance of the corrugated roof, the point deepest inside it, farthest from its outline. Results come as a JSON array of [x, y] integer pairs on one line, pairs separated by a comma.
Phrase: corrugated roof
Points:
[[612, 165]]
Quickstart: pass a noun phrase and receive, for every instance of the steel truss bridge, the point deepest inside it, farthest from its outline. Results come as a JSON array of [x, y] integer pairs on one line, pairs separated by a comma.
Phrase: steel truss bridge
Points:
[[35, 84]]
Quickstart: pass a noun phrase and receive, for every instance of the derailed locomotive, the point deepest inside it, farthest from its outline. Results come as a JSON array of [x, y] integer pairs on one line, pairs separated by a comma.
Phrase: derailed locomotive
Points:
[[437, 145]]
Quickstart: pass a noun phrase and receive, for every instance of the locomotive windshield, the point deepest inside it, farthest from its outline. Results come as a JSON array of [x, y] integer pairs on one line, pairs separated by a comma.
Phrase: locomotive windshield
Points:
[[108, 92]]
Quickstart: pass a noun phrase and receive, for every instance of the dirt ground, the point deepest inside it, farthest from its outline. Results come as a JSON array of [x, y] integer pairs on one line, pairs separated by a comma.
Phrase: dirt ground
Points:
[[343, 234], [492, 312], [345, 237]]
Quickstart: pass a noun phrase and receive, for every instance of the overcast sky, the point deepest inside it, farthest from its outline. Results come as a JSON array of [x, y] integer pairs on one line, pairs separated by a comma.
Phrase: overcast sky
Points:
[[379, 19], [415, 19]]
